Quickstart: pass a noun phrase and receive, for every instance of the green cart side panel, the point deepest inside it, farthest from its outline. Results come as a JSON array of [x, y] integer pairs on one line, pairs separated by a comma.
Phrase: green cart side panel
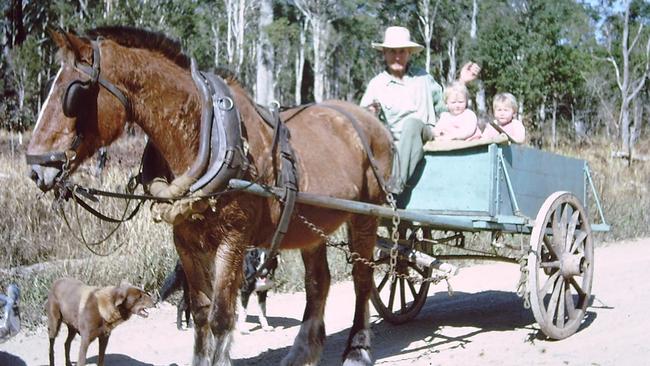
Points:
[[535, 175], [472, 182], [454, 182]]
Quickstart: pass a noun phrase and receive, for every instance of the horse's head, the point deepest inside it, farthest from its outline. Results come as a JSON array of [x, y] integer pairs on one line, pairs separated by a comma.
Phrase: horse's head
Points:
[[83, 111]]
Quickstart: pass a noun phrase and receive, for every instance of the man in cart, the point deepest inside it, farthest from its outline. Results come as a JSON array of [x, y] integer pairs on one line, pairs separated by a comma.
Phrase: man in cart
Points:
[[408, 100]]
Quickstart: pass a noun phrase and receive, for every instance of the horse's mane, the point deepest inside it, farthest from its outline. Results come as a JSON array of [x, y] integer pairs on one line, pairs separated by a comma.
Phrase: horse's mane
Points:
[[140, 38]]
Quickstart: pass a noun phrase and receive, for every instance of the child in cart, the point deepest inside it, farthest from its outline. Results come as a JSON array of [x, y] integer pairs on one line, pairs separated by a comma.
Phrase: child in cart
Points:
[[459, 123], [505, 108]]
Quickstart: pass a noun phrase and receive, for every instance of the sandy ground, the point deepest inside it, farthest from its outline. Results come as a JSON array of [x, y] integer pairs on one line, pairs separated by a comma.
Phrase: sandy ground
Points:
[[484, 323]]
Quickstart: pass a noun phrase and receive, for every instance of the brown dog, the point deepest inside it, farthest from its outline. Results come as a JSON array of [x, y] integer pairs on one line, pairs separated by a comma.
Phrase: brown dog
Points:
[[92, 312]]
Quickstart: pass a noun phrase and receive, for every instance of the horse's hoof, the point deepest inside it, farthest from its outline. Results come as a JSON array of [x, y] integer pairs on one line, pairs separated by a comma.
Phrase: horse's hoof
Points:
[[358, 357]]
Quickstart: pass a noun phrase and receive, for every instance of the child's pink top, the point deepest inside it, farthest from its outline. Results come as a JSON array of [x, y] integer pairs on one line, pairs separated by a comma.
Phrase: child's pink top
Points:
[[461, 127], [515, 129]]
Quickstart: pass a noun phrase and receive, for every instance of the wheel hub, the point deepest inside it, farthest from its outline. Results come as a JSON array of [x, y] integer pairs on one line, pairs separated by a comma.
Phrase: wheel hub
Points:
[[572, 265]]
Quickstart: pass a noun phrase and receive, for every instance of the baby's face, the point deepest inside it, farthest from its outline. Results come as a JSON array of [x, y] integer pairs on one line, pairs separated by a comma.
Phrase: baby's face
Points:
[[456, 103], [503, 113]]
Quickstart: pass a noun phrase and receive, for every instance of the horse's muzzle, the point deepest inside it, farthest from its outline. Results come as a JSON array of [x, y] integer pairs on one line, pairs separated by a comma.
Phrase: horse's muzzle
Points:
[[44, 176]]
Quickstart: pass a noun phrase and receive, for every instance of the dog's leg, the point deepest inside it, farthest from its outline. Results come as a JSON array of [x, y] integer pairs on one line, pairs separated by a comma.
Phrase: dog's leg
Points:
[[72, 332], [53, 324], [103, 342], [242, 314], [308, 345], [261, 300], [83, 350]]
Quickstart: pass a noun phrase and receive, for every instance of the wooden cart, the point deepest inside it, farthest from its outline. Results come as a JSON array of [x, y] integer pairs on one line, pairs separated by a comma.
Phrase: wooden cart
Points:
[[500, 189]]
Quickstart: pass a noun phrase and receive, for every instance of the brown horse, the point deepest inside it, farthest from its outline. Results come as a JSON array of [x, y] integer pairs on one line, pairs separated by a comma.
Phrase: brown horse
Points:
[[158, 93]]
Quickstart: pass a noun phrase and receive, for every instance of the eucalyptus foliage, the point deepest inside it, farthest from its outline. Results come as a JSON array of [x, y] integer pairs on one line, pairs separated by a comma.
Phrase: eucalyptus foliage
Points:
[[550, 54]]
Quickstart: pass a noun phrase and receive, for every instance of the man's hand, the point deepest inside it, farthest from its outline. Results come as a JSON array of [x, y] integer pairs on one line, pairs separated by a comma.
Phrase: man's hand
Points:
[[469, 72], [374, 108]]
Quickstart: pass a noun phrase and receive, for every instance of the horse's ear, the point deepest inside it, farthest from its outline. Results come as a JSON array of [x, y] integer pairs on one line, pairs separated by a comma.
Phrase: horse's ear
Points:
[[81, 47], [69, 41], [59, 38]]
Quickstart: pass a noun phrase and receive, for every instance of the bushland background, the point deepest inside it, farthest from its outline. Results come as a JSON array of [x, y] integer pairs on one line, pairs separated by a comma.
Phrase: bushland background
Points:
[[579, 70]]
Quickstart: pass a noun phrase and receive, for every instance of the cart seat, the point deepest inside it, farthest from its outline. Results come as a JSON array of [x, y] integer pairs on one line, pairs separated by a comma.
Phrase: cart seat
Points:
[[461, 144]]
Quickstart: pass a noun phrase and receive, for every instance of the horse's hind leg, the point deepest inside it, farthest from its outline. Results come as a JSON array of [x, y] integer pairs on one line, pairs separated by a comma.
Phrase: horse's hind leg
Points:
[[363, 232], [308, 345]]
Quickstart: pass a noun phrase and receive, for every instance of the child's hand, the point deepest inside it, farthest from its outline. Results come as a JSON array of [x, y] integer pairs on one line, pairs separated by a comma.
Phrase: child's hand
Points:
[[469, 72]]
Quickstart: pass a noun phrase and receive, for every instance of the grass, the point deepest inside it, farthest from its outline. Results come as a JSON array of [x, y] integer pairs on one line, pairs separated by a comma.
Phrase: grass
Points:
[[38, 247]]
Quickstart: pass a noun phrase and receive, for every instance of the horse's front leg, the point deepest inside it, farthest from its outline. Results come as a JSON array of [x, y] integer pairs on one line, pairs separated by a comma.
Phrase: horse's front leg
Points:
[[363, 232], [308, 345], [227, 280], [198, 265]]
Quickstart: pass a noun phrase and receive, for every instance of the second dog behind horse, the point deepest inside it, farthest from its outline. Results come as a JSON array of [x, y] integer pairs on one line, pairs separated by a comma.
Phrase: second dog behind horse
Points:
[[259, 284], [251, 283], [176, 281]]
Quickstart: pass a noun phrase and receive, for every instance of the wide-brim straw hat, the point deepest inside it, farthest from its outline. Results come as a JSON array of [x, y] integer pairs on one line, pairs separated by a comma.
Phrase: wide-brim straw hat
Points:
[[398, 37]]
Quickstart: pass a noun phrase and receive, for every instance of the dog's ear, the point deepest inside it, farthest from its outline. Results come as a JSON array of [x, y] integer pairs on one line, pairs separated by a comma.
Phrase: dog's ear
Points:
[[119, 295]]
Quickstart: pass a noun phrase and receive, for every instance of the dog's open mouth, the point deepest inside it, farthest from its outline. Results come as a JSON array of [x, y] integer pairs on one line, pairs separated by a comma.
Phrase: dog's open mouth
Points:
[[143, 313]]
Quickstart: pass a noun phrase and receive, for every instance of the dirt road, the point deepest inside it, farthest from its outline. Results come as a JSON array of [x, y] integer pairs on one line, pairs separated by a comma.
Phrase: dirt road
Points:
[[484, 323]]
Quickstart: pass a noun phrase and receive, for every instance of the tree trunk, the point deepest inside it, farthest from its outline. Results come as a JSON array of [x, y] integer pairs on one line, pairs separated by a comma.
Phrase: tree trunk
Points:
[[481, 105], [426, 17], [554, 123], [451, 52], [320, 37], [300, 61], [215, 36], [264, 78], [637, 121]]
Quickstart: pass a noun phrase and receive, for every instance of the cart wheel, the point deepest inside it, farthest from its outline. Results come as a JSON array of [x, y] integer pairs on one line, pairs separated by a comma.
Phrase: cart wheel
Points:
[[411, 293], [560, 265]]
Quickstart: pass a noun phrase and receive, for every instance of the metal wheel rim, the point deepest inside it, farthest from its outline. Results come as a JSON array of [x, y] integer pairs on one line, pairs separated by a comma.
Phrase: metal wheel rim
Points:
[[559, 295]]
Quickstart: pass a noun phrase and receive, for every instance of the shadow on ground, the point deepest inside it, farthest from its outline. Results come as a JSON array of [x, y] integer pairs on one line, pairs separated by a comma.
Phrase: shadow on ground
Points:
[[486, 311]]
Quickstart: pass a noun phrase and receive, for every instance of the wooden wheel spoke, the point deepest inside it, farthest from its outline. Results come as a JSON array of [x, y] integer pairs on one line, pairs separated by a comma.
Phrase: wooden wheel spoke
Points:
[[417, 269], [402, 294], [581, 293], [573, 223], [549, 282], [561, 304], [577, 245], [570, 305], [383, 282], [559, 230], [555, 296], [391, 298], [548, 244], [414, 292]]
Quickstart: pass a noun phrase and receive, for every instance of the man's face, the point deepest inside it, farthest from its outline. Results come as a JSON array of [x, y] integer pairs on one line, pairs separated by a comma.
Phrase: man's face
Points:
[[396, 60]]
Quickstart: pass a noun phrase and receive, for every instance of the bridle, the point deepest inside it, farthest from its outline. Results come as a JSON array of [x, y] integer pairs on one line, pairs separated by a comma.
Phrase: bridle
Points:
[[77, 94]]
